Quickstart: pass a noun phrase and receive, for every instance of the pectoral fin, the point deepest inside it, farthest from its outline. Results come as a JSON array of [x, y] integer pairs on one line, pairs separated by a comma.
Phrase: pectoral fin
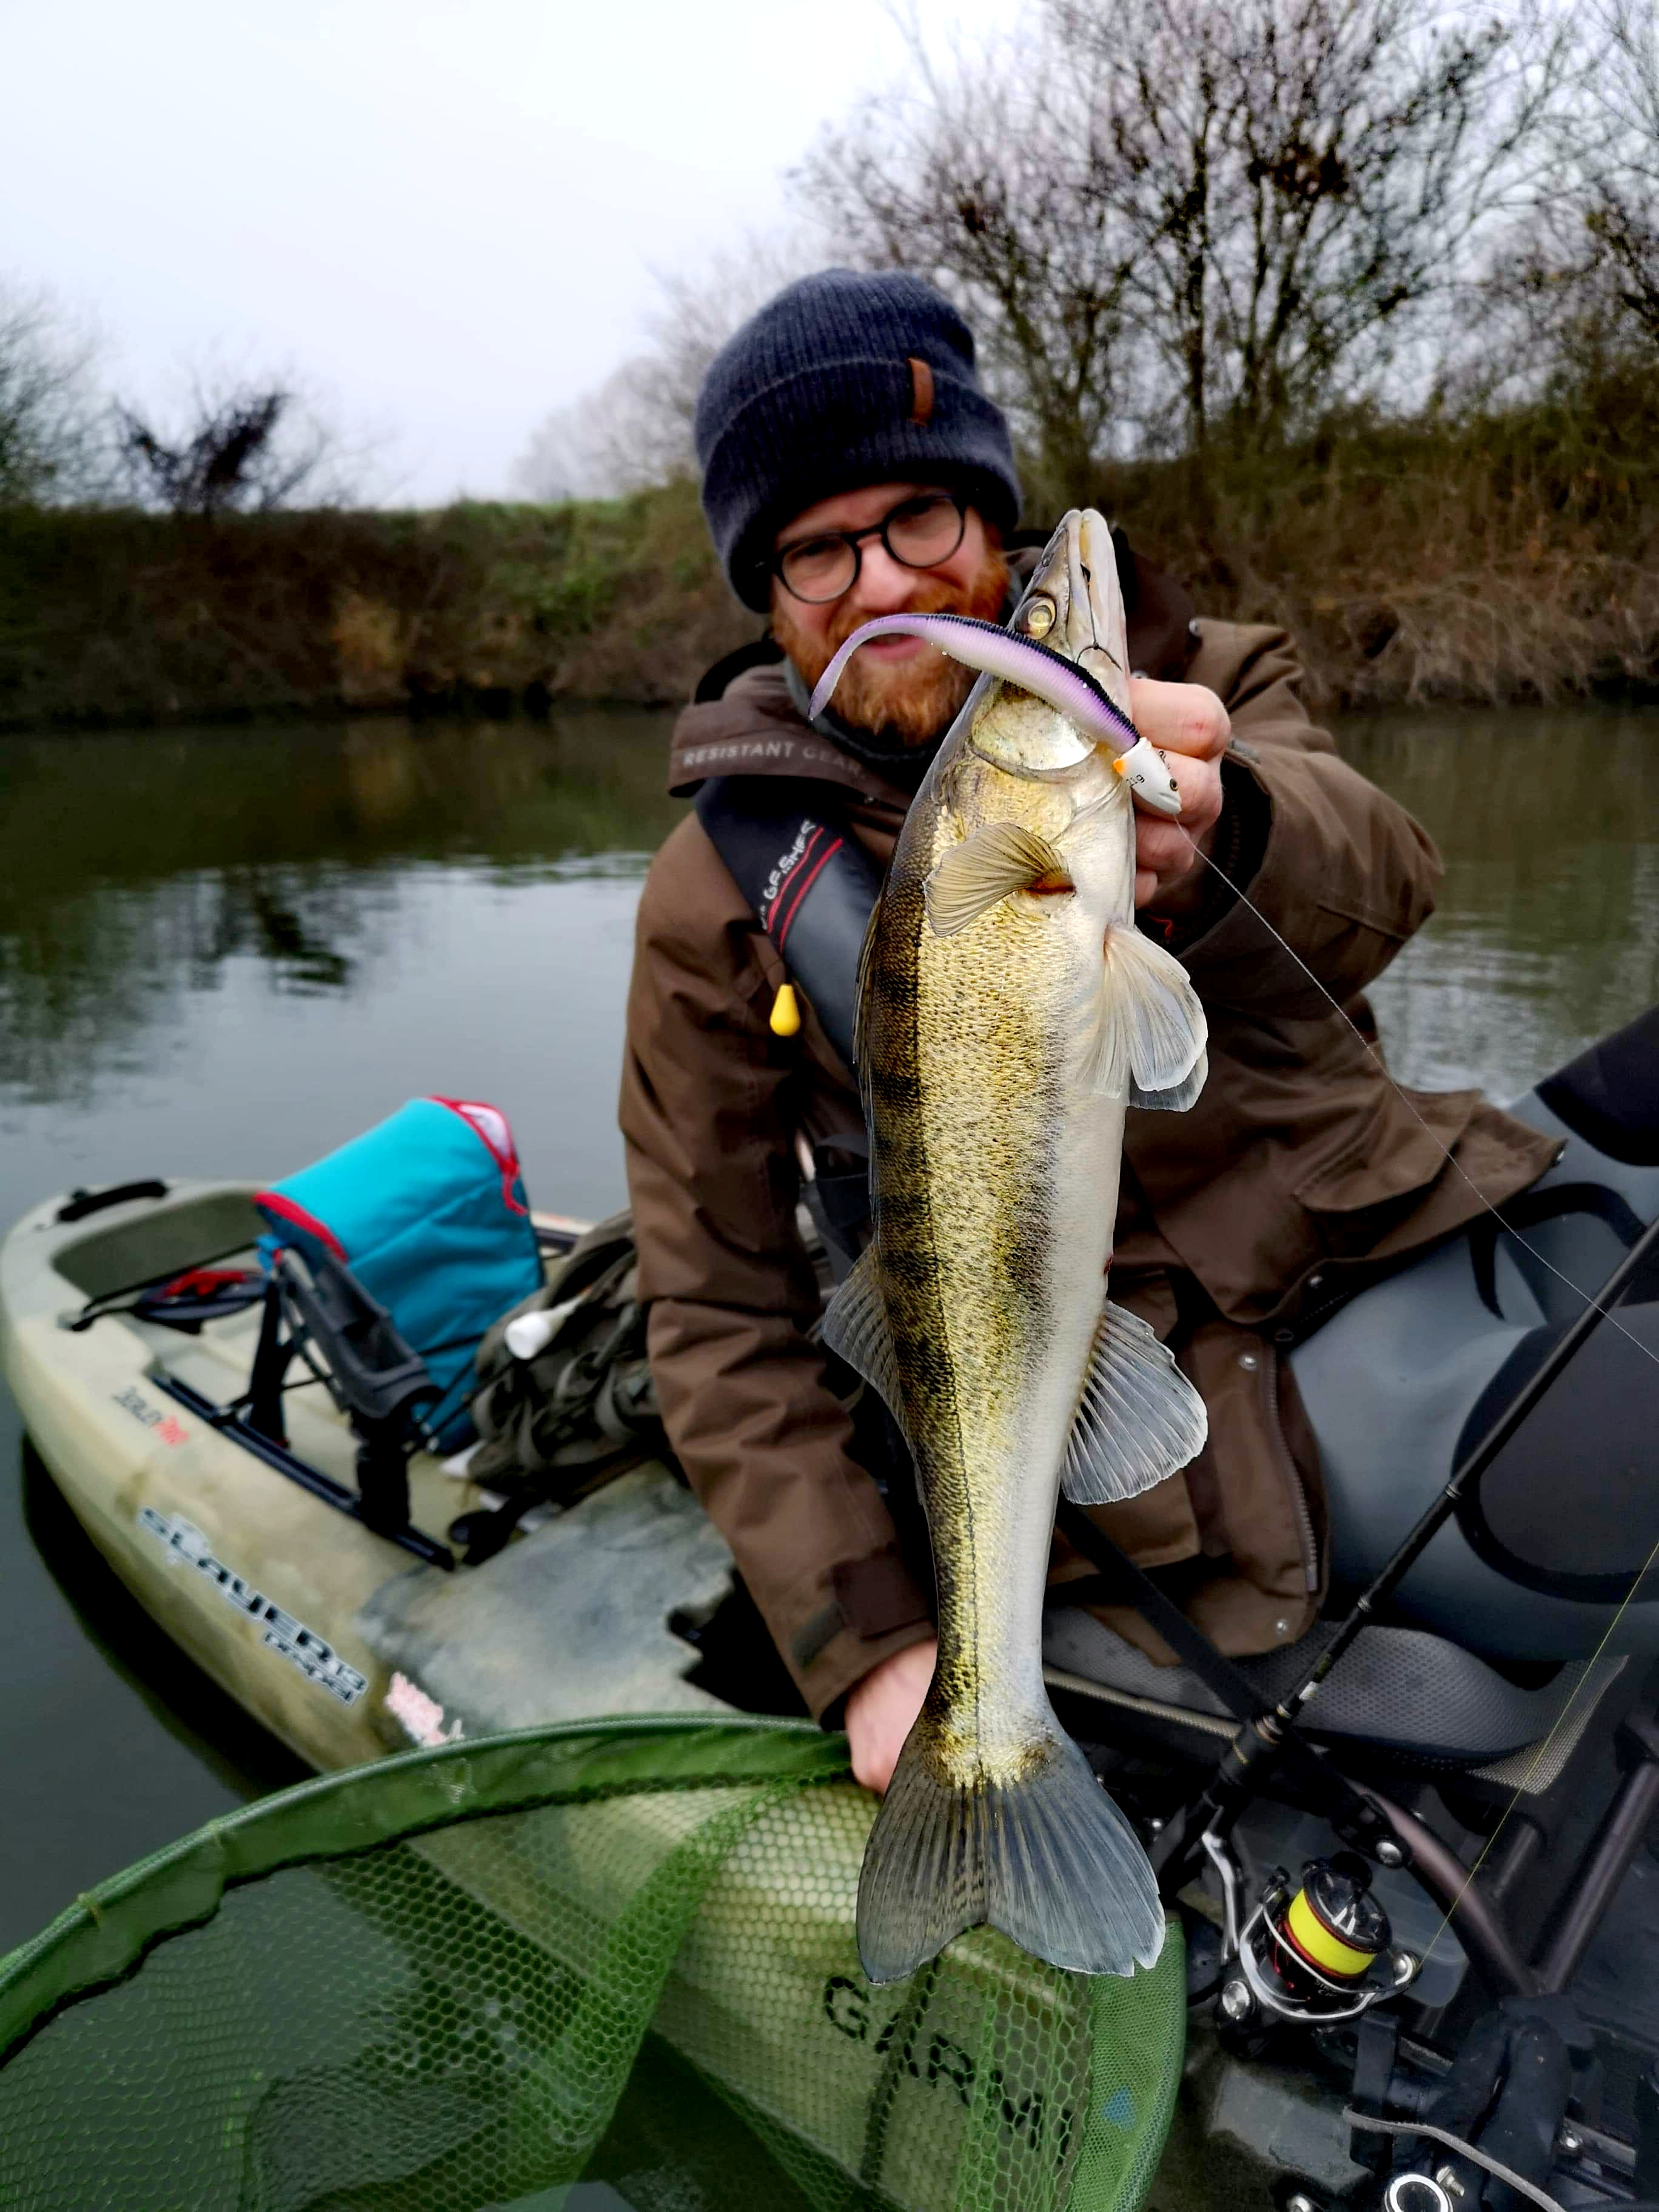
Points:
[[1178, 1098], [1153, 1029], [991, 862], [1139, 1419], [856, 1329]]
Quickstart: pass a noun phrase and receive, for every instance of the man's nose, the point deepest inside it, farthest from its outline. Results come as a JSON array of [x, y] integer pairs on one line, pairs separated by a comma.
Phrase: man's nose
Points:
[[883, 584]]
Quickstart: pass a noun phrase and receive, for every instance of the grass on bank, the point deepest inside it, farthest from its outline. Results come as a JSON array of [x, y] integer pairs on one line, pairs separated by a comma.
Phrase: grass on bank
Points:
[[120, 616], [1503, 556], [1500, 556]]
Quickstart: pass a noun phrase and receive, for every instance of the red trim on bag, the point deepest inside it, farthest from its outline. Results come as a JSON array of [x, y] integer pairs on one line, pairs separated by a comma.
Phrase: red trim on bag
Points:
[[203, 1282], [480, 1117], [286, 1209]]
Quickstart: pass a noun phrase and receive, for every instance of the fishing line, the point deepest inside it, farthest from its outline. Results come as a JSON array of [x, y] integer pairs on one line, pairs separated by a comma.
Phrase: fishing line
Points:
[[1560, 1720], [1444, 1150], [1373, 1053]]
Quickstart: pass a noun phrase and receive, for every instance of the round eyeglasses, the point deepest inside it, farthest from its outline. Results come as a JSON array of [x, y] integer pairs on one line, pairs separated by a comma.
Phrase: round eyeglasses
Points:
[[919, 533]]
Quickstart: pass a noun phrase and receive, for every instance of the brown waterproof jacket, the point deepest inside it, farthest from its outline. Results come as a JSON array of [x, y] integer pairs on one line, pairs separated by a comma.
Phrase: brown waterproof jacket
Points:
[[1299, 1173]]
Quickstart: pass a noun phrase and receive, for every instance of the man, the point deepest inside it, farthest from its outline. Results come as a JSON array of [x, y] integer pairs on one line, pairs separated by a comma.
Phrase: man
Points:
[[852, 467]]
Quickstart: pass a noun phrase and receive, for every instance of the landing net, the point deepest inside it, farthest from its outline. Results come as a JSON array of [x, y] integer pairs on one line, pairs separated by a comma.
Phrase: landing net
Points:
[[617, 1955]]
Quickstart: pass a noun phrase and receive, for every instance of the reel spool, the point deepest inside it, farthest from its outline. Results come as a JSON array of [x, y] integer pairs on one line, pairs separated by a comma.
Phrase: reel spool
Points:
[[1319, 1951]]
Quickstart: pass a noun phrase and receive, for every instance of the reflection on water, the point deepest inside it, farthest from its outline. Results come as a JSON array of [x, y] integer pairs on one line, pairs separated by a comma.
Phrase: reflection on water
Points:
[[138, 869], [1546, 933], [134, 867]]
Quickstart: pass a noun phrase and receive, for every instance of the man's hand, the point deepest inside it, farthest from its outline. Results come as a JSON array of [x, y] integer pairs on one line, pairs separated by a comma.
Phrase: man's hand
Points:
[[1190, 724], [882, 1709]]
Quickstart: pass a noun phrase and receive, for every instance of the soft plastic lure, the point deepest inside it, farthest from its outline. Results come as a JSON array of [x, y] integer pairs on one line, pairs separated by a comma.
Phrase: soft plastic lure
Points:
[[1045, 674]]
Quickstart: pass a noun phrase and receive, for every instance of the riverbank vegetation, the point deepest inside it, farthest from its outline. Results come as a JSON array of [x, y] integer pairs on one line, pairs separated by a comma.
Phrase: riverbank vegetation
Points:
[[1493, 555], [1347, 309], [127, 617]]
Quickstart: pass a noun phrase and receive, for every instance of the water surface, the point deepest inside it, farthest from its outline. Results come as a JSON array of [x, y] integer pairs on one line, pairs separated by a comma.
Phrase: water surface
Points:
[[225, 952], [1546, 931]]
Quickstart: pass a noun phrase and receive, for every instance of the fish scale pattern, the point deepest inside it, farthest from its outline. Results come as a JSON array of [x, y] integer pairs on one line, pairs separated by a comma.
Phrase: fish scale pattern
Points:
[[572, 1968]]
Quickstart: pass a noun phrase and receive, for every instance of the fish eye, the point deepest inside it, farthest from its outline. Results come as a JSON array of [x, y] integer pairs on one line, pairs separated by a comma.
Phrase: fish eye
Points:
[[1036, 617]]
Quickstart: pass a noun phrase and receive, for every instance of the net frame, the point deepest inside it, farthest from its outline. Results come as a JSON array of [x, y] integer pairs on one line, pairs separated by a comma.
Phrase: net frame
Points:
[[736, 1799]]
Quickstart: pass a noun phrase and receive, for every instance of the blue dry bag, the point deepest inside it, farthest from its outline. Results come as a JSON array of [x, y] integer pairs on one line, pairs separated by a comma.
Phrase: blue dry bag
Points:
[[428, 1210]]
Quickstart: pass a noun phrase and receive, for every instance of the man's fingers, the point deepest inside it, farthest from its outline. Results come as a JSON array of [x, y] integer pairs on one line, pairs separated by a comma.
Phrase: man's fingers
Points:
[[1164, 853], [1162, 844], [1198, 782], [882, 1709], [1163, 848], [1182, 717]]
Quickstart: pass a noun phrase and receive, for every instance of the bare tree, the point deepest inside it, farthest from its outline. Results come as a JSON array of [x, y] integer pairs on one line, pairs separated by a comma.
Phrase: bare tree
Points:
[[1595, 249], [1174, 215], [1331, 163], [248, 448], [1567, 306], [629, 431], [993, 177], [634, 428], [51, 449]]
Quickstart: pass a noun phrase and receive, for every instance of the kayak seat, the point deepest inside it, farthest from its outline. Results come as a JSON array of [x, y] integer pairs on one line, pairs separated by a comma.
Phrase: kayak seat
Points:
[[1609, 1095], [1402, 1383], [1400, 1690], [428, 1211], [1589, 1440]]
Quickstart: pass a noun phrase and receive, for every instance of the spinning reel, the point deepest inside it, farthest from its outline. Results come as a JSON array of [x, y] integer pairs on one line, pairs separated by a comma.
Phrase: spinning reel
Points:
[[1313, 1952]]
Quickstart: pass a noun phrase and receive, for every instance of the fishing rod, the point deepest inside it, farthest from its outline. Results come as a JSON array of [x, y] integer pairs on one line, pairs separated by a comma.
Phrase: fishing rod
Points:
[[1262, 1741]]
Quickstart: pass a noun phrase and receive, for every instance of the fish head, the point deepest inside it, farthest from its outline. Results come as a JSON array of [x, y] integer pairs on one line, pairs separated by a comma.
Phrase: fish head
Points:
[[1073, 607]]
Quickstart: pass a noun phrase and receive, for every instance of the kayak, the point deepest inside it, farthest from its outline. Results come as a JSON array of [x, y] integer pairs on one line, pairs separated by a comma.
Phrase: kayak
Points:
[[1499, 1711], [597, 1929], [327, 1632]]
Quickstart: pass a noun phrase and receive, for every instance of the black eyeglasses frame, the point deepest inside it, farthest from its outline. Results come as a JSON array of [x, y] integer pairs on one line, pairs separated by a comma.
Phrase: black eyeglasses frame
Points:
[[854, 540]]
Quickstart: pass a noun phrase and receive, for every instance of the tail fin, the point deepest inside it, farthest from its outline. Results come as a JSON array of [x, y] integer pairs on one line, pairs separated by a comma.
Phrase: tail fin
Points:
[[1049, 1859]]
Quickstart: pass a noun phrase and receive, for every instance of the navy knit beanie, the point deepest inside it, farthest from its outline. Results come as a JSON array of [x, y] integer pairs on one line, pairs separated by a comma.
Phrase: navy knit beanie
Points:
[[844, 379]]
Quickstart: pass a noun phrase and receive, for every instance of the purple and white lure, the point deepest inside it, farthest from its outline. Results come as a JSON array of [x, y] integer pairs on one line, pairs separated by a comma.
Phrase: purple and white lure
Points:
[[1047, 675]]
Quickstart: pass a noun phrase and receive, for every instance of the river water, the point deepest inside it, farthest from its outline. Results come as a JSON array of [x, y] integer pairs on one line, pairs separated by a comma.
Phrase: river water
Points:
[[225, 952]]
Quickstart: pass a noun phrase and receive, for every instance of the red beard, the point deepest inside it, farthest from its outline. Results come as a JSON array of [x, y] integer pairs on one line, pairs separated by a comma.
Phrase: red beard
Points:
[[915, 700]]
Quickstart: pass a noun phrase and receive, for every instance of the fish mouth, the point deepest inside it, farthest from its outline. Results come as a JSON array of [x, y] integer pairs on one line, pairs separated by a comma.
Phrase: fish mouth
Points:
[[1060, 606]]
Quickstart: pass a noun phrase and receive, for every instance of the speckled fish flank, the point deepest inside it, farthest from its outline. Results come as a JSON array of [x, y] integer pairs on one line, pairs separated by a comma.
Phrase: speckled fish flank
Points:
[[999, 1049]]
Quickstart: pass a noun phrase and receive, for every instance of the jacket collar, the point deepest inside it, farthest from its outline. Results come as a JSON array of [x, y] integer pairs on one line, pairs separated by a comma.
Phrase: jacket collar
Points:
[[757, 729]]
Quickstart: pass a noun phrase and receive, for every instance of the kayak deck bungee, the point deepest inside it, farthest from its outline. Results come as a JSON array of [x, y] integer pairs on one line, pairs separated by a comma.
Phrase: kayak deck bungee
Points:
[[327, 1632]]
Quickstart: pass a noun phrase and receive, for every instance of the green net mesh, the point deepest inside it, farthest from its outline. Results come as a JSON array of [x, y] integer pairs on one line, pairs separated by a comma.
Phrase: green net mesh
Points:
[[599, 1966]]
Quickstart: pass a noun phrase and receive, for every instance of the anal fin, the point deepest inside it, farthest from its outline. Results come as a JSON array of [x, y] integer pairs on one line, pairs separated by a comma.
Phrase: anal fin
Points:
[[1139, 1420], [1179, 1096]]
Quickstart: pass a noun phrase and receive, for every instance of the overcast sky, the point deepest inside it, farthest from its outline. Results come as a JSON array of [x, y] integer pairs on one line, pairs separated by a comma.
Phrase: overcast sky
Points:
[[442, 217]]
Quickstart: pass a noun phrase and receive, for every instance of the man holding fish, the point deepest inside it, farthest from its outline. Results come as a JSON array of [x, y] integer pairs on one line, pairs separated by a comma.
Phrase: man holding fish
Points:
[[1032, 1071]]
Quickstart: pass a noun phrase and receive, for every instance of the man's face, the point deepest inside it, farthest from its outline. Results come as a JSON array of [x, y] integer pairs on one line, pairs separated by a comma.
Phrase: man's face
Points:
[[894, 685]]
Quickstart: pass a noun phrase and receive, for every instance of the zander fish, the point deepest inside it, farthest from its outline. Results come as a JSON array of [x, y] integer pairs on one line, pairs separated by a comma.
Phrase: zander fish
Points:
[[1009, 1013]]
